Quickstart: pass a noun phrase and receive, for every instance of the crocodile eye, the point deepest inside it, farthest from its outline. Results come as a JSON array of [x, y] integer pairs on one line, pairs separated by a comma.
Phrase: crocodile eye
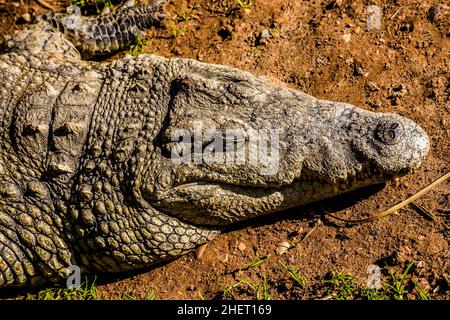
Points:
[[243, 89], [389, 132]]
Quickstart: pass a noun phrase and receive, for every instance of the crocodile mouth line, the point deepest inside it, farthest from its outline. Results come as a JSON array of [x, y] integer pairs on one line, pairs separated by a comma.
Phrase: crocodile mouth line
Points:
[[308, 180], [206, 203]]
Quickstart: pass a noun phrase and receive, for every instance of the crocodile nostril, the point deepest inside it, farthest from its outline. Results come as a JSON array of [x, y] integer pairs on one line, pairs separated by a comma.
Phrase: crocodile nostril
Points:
[[389, 132]]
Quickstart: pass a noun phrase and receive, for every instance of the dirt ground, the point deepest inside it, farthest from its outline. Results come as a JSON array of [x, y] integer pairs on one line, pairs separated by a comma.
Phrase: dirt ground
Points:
[[323, 48]]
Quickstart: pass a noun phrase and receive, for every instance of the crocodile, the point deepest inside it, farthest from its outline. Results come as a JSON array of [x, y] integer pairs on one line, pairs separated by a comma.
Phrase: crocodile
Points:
[[98, 167]]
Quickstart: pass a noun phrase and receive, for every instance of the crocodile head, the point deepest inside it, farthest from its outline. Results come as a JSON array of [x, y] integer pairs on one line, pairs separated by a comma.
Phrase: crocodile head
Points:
[[121, 165], [236, 147]]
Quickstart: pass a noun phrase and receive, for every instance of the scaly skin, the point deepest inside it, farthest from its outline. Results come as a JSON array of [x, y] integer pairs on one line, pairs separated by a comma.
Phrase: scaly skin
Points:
[[106, 34], [86, 176]]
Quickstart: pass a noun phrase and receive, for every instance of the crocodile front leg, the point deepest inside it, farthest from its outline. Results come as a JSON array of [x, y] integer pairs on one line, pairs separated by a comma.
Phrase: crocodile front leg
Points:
[[106, 34], [64, 37]]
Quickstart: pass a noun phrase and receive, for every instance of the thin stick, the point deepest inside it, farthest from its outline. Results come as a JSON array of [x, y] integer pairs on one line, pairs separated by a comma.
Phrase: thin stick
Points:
[[328, 297], [422, 210], [399, 205], [45, 4], [309, 233], [396, 12]]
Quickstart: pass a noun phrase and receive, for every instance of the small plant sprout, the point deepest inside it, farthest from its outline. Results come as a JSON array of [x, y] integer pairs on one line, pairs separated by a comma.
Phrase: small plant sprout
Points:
[[139, 47], [83, 4], [341, 286], [245, 4], [294, 275], [398, 285], [176, 31]]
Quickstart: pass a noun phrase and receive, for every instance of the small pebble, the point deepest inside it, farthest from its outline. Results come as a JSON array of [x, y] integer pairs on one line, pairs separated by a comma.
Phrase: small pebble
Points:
[[282, 248], [191, 287], [26, 17], [372, 87], [357, 69], [200, 251], [223, 257], [410, 296], [241, 246], [176, 51], [434, 12], [105, 11], [347, 37], [403, 254], [349, 61], [424, 285], [265, 34]]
